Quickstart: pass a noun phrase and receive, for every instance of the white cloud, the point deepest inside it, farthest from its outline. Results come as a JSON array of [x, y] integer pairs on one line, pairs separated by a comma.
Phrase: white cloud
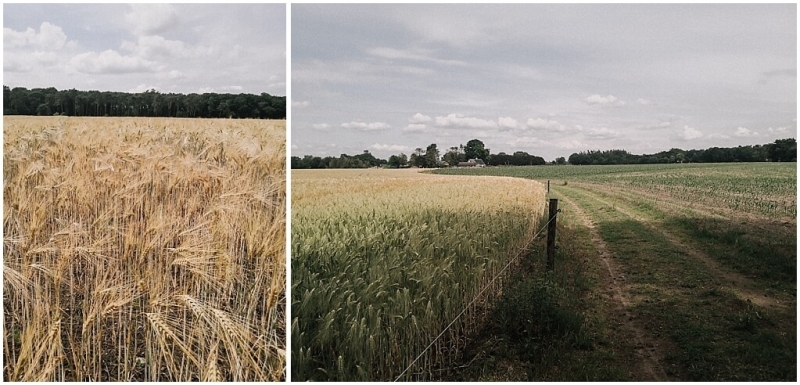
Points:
[[157, 47], [374, 126], [527, 142], [543, 124], [15, 64], [609, 100], [654, 126], [149, 19], [644, 102], [779, 130], [321, 126], [459, 120], [552, 126], [390, 147], [507, 122], [690, 133], [743, 132], [419, 118], [717, 136], [601, 133], [172, 75], [110, 62], [28, 61], [50, 37], [415, 127], [301, 104], [12, 39]]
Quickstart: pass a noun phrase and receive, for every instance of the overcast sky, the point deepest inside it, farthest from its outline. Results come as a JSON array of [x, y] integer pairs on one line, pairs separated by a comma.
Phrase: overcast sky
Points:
[[171, 48], [550, 80]]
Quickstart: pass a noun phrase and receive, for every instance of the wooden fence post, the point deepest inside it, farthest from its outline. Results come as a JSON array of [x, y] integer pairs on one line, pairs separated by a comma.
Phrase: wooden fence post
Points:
[[551, 234], [548, 186]]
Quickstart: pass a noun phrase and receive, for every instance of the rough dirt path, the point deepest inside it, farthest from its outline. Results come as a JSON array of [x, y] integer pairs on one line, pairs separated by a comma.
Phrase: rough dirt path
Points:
[[738, 284], [648, 365]]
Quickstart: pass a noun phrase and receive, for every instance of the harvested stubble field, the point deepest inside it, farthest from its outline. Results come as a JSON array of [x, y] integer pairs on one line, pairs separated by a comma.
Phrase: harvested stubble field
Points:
[[383, 260], [143, 249]]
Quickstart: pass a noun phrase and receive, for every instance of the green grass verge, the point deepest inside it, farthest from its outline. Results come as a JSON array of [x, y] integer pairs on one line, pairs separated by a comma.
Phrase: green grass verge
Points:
[[547, 326], [717, 336]]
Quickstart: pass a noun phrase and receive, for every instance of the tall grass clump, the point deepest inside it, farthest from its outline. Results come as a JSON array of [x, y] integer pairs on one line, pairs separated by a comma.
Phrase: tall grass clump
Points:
[[143, 249], [384, 260]]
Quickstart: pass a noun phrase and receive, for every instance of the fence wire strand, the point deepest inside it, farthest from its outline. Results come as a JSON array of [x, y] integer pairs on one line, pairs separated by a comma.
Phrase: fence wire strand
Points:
[[474, 299]]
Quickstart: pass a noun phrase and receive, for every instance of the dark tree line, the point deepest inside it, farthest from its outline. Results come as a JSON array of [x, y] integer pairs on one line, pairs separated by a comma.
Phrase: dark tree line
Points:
[[519, 158], [50, 101], [363, 160], [782, 150], [428, 158]]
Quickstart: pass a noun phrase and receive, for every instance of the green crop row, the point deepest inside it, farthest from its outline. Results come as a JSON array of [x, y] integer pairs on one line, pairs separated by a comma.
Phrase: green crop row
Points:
[[379, 272]]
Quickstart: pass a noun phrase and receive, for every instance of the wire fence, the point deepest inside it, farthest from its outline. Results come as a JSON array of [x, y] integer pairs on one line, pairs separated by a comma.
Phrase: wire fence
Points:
[[472, 302]]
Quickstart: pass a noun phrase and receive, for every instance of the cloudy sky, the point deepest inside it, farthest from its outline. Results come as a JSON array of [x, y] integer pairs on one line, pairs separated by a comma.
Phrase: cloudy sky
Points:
[[171, 48], [550, 80]]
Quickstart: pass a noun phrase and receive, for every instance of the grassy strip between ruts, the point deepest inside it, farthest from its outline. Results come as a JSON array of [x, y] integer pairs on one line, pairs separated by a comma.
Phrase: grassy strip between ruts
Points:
[[717, 335], [761, 249]]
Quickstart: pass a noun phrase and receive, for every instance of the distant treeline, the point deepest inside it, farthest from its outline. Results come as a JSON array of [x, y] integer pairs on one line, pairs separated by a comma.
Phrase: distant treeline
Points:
[[367, 160], [519, 158], [363, 160], [783, 150], [428, 158], [50, 101]]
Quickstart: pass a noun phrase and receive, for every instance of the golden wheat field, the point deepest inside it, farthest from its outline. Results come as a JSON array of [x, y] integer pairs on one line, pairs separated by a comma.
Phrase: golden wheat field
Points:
[[143, 249]]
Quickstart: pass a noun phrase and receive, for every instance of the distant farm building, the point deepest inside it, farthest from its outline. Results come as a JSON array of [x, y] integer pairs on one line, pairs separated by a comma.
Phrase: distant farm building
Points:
[[472, 163]]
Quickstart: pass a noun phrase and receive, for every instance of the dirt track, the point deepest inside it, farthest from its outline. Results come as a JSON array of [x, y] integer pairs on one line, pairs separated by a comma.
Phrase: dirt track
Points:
[[646, 365]]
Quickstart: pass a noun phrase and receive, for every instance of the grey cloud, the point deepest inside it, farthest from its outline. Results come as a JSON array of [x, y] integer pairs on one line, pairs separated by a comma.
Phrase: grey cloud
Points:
[[766, 76], [601, 133], [392, 53], [667, 68], [171, 48]]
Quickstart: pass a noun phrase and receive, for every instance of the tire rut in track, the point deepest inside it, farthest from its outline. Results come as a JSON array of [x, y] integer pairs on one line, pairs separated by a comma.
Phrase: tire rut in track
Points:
[[648, 366], [738, 284]]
